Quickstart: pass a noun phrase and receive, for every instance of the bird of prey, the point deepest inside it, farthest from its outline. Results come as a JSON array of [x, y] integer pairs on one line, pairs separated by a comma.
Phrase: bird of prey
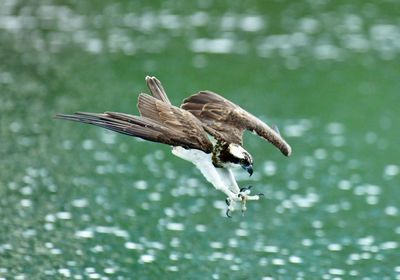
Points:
[[206, 130]]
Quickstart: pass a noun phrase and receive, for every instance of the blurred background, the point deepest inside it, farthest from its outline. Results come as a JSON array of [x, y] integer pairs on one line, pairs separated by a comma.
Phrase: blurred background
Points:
[[79, 202]]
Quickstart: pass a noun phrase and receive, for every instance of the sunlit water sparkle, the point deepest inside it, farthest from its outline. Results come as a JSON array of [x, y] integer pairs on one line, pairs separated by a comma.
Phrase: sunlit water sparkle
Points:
[[81, 203]]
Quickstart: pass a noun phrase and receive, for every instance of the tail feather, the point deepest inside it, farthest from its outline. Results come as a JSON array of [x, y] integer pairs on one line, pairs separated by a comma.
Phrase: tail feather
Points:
[[121, 123]]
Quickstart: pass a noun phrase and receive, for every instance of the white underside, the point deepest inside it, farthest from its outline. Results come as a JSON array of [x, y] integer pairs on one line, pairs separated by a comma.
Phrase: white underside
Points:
[[221, 178]]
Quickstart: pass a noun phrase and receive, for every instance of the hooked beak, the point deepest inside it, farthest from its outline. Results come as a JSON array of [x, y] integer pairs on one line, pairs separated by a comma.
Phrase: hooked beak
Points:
[[248, 168]]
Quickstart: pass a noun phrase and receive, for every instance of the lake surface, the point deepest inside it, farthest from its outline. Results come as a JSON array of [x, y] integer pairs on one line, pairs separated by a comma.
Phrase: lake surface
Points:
[[78, 202]]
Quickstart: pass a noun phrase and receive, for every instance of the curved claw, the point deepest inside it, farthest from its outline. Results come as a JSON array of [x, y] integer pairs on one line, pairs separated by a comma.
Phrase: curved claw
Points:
[[227, 201], [246, 188], [261, 194], [227, 213]]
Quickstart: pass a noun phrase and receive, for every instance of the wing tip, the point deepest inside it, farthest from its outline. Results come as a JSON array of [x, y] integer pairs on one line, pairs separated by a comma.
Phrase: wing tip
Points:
[[62, 116], [149, 78], [156, 89], [287, 150], [59, 116]]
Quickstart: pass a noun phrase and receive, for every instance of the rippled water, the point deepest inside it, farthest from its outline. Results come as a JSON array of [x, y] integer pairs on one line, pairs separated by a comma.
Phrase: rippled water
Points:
[[81, 203]]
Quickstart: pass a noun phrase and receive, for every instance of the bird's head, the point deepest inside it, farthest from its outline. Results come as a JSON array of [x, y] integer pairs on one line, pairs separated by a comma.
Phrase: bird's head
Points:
[[240, 156]]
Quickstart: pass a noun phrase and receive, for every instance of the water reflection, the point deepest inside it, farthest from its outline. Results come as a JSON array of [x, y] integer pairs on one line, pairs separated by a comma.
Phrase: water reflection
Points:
[[90, 204], [328, 36]]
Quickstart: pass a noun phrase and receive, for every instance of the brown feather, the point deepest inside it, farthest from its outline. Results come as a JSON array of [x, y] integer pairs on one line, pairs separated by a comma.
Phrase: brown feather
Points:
[[136, 126], [182, 125], [227, 121], [157, 89], [159, 122]]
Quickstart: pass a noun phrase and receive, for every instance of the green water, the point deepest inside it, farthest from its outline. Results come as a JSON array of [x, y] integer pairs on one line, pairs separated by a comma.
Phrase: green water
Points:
[[77, 202]]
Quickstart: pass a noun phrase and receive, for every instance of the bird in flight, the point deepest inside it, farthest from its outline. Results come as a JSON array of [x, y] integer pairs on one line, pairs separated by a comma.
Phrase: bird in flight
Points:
[[206, 130]]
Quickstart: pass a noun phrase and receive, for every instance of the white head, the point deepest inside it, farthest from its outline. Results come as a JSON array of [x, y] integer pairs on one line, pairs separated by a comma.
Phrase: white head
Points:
[[238, 155], [237, 151]]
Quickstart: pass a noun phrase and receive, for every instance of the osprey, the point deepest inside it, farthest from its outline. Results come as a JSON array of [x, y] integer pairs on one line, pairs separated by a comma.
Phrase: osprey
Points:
[[206, 130]]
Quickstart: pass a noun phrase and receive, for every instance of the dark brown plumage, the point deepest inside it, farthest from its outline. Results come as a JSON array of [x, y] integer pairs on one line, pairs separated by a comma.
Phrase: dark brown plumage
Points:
[[201, 113], [159, 121], [227, 121], [184, 128], [156, 89]]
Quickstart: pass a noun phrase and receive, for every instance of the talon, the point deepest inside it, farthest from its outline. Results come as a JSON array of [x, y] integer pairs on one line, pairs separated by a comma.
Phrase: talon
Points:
[[261, 194], [245, 188], [227, 201], [227, 213], [242, 197]]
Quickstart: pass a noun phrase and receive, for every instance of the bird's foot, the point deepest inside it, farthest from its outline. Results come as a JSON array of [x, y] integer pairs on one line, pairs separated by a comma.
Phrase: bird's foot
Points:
[[242, 197]]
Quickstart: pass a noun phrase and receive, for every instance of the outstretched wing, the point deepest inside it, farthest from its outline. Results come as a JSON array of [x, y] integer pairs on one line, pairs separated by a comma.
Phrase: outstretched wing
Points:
[[159, 122], [183, 127], [227, 121]]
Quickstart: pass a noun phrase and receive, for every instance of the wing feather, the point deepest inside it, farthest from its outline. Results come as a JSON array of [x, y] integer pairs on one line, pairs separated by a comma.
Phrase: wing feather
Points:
[[181, 124], [128, 125], [157, 89], [159, 122], [226, 121]]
